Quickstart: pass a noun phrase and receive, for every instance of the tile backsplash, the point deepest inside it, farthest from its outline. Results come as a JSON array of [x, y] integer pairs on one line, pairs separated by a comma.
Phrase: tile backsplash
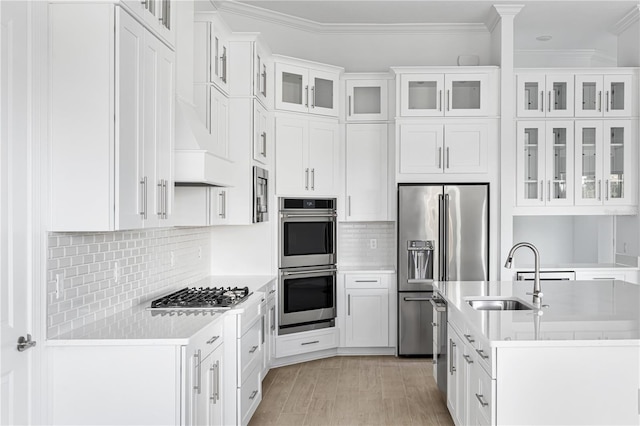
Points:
[[354, 244], [91, 276]]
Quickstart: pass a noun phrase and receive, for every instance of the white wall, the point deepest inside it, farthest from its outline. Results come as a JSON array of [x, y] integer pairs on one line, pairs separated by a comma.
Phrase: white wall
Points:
[[245, 249], [629, 46]]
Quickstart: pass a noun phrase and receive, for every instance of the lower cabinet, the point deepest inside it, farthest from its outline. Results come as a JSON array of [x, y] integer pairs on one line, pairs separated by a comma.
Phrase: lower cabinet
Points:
[[367, 311], [206, 402], [268, 320]]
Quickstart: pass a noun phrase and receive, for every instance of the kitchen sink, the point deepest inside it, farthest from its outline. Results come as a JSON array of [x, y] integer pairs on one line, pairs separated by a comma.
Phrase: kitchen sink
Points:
[[499, 305]]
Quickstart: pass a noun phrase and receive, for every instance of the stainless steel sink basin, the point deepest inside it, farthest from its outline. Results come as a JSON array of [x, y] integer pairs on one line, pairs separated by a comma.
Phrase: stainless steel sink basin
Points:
[[498, 305]]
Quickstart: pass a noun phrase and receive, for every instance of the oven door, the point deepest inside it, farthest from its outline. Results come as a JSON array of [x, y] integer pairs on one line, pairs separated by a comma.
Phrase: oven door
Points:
[[307, 295], [307, 239]]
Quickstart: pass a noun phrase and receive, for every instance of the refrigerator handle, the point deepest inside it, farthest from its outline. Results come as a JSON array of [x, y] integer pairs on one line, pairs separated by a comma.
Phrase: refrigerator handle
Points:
[[445, 241], [440, 276]]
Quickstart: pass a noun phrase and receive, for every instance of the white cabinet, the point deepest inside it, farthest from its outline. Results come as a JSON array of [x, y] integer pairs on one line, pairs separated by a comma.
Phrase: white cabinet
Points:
[[366, 173], [367, 310], [307, 155], [545, 95], [460, 94], [438, 148], [307, 87], [608, 95], [367, 100], [544, 163], [261, 134], [268, 319], [157, 15], [213, 110], [211, 47], [200, 206], [111, 135], [205, 404], [604, 158]]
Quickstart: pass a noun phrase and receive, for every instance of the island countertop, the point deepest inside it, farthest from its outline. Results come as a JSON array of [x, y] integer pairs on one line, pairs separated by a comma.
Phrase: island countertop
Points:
[[572, 311]]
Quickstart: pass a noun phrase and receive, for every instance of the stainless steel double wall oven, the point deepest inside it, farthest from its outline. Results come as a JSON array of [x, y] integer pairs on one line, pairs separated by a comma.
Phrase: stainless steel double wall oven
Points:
[[307, 263]]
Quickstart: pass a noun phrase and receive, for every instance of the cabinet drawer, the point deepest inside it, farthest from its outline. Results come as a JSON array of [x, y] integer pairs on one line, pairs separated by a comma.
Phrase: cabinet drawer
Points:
[[480, 394], [207, 339], [306, 342], [250, 350], [365, 281], [250, 395], [251, 312]]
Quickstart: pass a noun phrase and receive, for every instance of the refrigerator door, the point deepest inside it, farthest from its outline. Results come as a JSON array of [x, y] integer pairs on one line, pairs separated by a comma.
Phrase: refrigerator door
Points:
[[466, 226], [415, 329], [418, 223]]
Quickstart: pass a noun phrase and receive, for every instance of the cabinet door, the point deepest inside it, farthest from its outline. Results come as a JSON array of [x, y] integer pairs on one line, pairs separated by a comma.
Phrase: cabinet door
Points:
[[465, 148], [262, 75], [291, 156], [619, 156], [218, 57], [530, 95], [324, 93], [260, 133], [588, 162], [218, 206], [323, 158], [131, 207], [219, 128], [617, 95], [192, 206], [366, 172], [466, 95], [559, 162], [150, 116], [455, 386], [422, 95], [589, 96], [367, 320], [420, 148], [367, 100], [165, 123], [214, 365], [530, 141], [292, 88], [560, 98]]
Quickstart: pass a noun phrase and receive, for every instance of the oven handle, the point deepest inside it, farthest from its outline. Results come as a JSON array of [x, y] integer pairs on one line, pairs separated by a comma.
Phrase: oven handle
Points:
[[318, 271], [294, 215]]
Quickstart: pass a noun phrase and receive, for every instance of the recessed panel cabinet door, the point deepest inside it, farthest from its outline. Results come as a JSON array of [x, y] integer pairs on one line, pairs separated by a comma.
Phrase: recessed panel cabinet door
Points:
[[324, 157], [559, 163], [530, 143], [367, 321], [465, 148], [620, 163], [588, 162], [420, 148], [291, 156]]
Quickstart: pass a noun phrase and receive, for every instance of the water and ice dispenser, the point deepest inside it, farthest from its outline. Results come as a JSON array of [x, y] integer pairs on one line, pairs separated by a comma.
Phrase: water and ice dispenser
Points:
[[420, 260]]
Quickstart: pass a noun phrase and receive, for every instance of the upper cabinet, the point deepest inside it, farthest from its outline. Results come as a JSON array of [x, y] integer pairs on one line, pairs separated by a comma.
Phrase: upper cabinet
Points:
[[607, 95], [306, 87], [366, 100], [468, 93], [211, 44], [158, 16], [111, 136], [544, 95]]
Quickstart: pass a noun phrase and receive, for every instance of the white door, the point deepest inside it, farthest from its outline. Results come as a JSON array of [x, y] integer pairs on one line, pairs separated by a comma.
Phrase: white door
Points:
[[324, 158], [261, 135], [559, 97], [466, 148], [619, 157], [164, 147], [291, 156], [366, 100], [530, 157], [16, 235], [466, 95], [589, 96], [366, 172], [617, 95], [421, 95], [530, 95], [323, 93], [588, 163], [420, 148], [292, 88], [559, 163], [150, 113], [367, 322]]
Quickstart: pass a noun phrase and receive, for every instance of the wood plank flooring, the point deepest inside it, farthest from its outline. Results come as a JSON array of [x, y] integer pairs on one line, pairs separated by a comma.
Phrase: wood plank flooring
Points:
[[352, 390]]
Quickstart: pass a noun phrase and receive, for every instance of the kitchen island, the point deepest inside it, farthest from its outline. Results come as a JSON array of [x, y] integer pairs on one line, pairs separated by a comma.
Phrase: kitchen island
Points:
[[574, 361]]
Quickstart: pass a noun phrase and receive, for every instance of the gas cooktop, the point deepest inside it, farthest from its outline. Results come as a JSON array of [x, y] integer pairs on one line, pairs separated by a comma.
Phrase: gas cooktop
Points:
[[202, 298]]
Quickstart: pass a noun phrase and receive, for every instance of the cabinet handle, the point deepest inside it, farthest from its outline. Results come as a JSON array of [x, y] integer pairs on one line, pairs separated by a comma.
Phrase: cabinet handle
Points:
[[306, 103], [253, 394], [481, 400], [348, 304], [434, 324], [264, 144], [448, 100], [348, 205], [160, 200], [306, 179], [313, 179], [198, 356], [264, 81], [368, 281], [143, 197], [469, 339], [541, 188], [215, 370], [542, 101], [599, 188], [600, 101], [440, 96], [253, 349], [452, 368], [549, 107], [213, 339], [166, 198], [606, 190], [481, 353], [310, 343], [549, 190], [313, 96], [349, 105], [468, 359], [273, 318], [606, 108], [448, 156], [263, 328], [222, 207], [440, 157], [223, 65]]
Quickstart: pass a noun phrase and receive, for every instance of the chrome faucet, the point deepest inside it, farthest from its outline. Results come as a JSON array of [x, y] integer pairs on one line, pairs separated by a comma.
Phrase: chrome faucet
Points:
[[537, 292]]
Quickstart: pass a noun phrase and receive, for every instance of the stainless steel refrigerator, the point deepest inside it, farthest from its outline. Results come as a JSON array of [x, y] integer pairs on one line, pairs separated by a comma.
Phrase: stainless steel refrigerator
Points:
[[443, 235]]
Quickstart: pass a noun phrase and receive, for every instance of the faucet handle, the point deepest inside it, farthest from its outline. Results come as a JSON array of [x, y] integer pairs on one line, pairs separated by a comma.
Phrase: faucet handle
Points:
[[540, 294]]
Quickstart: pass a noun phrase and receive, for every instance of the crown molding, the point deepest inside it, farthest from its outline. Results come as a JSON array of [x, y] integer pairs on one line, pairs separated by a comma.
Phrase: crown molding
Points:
[[322, 28], [626, 21], [500, 10]]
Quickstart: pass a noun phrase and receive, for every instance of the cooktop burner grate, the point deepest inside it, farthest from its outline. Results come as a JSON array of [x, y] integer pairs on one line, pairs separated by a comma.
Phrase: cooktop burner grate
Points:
[[202, 298]]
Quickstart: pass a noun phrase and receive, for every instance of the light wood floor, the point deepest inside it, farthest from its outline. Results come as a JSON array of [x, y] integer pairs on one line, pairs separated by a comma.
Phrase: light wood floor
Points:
[[358, 390]]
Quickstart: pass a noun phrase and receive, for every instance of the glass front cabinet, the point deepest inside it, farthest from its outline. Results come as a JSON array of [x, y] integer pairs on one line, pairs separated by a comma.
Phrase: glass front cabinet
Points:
[[603, 163], [540, 95], [367, 100], [544, 163], [606, 95], [301, 89]]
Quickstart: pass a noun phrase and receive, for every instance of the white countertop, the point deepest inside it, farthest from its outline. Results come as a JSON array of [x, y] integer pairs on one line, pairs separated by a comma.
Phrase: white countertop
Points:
[[573, 266], [139, 325], [576, 311]]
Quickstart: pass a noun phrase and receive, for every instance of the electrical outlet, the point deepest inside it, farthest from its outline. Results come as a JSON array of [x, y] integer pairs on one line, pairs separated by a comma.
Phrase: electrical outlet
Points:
[[58, 286], [373, 243], [116, 272], [173, 259]]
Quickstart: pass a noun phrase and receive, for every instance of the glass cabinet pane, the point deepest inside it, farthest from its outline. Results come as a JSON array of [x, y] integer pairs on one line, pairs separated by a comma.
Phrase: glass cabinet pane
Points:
[[292, 88], [617, 96], [531, 161], [559, 178], [589, 96], [616, 175], [531, 96], [423, 95], [465, 95], [366, 100], [560, 96], [322, 93], [588, 167]]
